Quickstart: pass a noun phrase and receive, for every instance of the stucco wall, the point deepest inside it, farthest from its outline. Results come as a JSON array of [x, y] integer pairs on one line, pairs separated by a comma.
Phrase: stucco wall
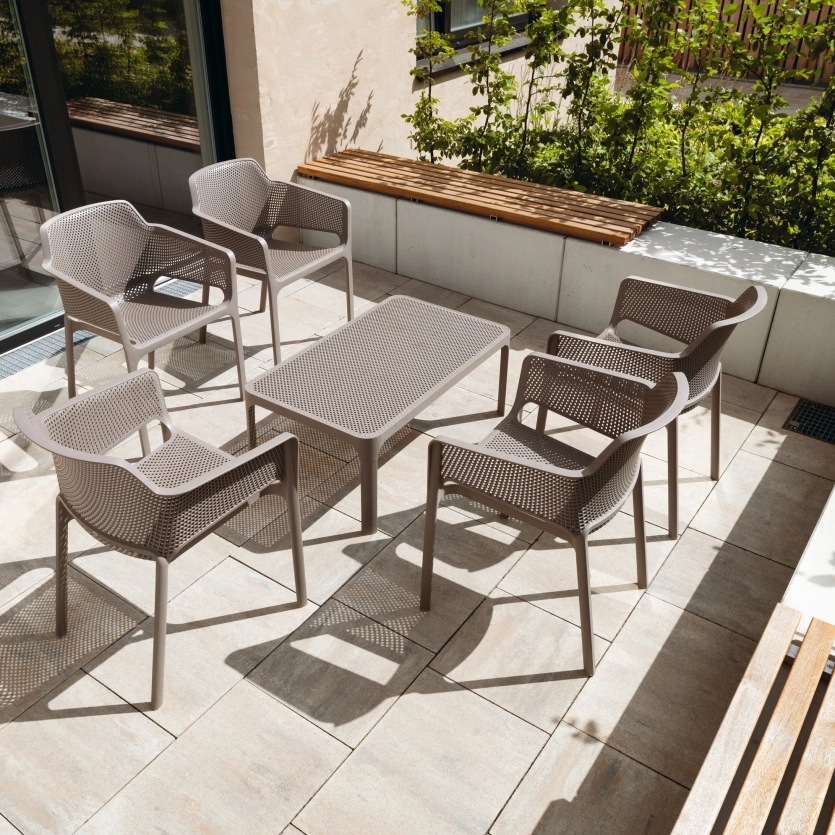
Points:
[[306, 79]]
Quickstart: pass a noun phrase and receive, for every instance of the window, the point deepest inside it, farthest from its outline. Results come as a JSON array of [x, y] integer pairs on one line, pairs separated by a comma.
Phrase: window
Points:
[[460, 18]]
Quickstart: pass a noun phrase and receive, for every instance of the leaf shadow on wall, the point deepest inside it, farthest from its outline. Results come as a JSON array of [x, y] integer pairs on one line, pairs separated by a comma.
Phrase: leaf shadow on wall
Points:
[[334, 129]]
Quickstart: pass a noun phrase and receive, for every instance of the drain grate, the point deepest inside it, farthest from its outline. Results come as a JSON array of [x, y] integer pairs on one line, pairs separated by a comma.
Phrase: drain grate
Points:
[[814, 420], [53, 343]]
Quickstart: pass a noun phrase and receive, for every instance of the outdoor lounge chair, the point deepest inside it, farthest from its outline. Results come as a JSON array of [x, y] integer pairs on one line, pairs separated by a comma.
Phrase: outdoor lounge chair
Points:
[[159, 507], [241, 208], [106, 261], [703, 321], [521, 472]]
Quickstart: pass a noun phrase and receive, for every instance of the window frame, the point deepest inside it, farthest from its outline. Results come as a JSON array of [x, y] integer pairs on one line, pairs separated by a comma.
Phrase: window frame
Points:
[[465, 36]]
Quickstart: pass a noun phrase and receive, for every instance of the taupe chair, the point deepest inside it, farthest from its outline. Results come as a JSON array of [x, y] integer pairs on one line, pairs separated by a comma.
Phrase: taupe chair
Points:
[[521, 472], [241, 208], [161, 506], [106, 261], [703, 321]]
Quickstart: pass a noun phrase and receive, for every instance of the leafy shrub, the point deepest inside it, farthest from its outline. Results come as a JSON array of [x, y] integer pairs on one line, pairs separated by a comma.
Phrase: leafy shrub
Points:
[[714, 155]]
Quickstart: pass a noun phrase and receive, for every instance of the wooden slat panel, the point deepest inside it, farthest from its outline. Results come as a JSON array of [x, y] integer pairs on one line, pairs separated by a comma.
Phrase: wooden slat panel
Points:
[[708, 793], [814, 774], [558, 210], [760, 787], [175, 129]]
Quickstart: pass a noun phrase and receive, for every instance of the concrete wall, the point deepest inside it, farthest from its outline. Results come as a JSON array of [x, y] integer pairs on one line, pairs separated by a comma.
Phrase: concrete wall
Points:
[[308, 79]]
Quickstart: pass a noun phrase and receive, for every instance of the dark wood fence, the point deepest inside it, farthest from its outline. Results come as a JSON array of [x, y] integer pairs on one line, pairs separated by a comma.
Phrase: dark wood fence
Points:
[[822, 68]]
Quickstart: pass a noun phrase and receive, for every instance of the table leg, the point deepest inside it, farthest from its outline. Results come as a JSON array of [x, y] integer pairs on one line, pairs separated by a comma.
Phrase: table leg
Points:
[[503, 379], [368, 495]]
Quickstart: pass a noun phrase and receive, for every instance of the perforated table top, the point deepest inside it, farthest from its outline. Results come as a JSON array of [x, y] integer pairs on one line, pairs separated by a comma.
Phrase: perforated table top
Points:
[[370, 376]]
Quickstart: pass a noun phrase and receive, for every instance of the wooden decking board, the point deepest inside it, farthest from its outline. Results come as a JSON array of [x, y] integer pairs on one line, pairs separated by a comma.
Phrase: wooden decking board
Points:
[[707, 796], [531, 201], [174, 129], [531, 204], [754, 803], [814, 774]]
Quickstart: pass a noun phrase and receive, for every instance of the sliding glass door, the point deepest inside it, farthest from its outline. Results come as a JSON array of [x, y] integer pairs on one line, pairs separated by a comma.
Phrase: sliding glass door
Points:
[[27, 196]]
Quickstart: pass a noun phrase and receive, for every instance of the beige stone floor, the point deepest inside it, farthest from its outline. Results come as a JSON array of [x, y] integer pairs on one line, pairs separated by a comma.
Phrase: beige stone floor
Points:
[[359, 713]]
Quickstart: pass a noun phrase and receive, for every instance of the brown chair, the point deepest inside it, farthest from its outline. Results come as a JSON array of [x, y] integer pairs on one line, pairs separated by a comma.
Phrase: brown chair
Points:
[[160, 507], [107, 260], [241, 208], [703, 321], [521, 472]]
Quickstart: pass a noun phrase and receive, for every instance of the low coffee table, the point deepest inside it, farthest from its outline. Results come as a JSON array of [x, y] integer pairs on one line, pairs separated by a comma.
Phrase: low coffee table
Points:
[[371, 376]]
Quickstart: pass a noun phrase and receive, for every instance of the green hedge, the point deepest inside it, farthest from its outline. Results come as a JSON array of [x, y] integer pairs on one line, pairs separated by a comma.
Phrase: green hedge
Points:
[[711, 154]]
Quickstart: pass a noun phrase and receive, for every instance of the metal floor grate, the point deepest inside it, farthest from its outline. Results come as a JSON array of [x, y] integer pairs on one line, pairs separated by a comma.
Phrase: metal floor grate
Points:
[[814, 420], [53, 343]]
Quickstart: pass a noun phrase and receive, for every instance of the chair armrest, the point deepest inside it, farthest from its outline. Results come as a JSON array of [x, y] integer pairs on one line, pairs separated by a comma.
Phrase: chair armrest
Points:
[[290, 204], [606, 400], [90, 306], [644, 363], [251, 250], [677, 312], [177, 254]]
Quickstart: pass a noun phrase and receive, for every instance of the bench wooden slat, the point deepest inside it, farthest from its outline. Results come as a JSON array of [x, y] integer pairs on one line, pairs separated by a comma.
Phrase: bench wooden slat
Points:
[[175, 129], [814, 774], [501, 187], [753, 805], [707, 795], [583, 198], [531, 204]]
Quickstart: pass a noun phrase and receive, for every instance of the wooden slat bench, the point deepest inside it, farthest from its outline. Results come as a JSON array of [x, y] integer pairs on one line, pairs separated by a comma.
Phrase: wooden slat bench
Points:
[[156, 126], [717, 795], [558, 210]]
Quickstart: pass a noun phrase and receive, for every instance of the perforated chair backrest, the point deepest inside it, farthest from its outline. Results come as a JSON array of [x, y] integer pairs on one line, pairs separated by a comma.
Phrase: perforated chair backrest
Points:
[[235, 192], [617, 466], [700, 360], [102, 246]]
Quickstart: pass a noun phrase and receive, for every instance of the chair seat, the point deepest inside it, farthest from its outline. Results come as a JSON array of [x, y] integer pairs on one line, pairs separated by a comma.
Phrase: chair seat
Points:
[[521, 441], [180, 459], [287, 257], [153, 315]]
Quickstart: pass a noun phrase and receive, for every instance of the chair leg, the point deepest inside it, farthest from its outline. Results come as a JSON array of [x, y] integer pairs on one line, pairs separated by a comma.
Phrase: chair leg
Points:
[[205, 300], [715, 426], [250, 426], [70, 355], [291, 493], [541, 417], [62, 520], [145, 442], [239, 352], [263, 303], [349, 286], [581, 551], [160, 624], [672, 479], [434, 495], [151, 360], [640, 528], [274, 324], [503, 380]]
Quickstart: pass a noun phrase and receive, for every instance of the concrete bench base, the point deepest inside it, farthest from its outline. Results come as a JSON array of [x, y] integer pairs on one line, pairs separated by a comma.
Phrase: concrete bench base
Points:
[[789, 346]]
